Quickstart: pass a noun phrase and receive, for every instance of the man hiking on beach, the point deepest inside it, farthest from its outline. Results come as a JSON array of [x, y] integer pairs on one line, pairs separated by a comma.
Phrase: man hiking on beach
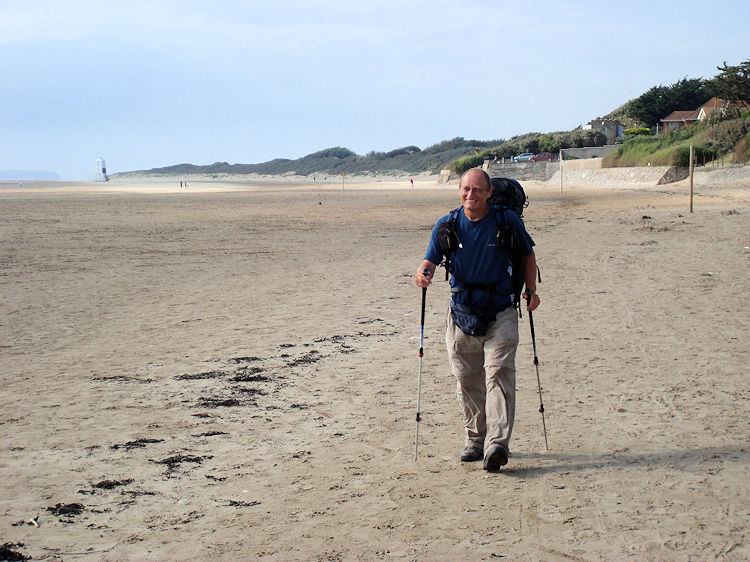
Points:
[[482, 326]]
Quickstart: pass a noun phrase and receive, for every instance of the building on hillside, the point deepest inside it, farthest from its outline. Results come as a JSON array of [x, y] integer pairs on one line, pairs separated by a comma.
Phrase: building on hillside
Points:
[[678, 119], [610, 127], [711, 106], [719, 105]]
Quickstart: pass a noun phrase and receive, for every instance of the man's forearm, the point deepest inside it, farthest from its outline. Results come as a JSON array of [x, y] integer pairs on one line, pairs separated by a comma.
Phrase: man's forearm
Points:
[[530, 271]]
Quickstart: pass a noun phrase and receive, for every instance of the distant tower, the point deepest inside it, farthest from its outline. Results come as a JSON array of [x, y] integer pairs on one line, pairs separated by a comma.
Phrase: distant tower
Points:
[[100, 172]]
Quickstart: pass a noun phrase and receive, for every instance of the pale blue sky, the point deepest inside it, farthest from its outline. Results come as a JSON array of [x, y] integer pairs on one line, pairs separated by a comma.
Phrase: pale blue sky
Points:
[[161, 82]]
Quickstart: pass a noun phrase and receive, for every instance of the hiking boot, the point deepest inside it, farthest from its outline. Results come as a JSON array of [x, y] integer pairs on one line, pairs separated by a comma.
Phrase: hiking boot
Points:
[[497, 456], [471, 454]]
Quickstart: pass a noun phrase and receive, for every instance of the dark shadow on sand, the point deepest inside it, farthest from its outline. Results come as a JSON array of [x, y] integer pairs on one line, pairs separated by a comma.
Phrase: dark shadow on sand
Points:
[[534, 465]]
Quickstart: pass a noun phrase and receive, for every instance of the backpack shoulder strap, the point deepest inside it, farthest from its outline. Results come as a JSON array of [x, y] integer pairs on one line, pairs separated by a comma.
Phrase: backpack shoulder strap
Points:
[[506, 239], [451, 227], [448, 238]]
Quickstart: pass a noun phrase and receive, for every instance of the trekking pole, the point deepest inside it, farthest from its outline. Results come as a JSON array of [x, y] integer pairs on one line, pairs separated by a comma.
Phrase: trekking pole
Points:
[[536, 364], [419, 377]]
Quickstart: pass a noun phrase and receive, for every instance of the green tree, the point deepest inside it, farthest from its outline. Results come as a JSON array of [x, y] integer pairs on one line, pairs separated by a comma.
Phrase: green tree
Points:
[[547, 143], [733, 82], [650, 106], [659, 101], [635, 131]]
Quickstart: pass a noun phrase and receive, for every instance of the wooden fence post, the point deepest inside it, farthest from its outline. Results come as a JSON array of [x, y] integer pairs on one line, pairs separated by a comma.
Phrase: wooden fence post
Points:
[[692, 168]]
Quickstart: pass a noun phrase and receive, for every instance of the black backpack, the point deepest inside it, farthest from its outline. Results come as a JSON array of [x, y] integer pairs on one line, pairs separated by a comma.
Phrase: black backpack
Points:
[[507, 192]]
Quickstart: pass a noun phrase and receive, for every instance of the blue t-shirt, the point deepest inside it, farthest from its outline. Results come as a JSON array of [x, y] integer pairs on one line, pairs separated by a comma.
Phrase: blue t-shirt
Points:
[[478, 260]]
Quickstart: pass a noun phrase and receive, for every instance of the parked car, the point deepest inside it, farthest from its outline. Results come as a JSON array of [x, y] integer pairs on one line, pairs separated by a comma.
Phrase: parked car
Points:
[[544, 157], [525, 157]]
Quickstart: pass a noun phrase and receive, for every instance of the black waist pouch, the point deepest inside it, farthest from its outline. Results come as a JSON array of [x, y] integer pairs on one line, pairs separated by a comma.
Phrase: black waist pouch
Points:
[[470, 323]]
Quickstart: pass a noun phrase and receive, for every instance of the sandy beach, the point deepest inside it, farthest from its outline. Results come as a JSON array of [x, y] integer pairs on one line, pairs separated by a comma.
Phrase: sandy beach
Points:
[[229, 371]]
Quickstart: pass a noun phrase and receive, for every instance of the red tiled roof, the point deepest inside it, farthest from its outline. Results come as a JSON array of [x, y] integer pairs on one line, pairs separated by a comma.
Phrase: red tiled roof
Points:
[[718, 103], [710, 106], [681, 116], [713, 103]]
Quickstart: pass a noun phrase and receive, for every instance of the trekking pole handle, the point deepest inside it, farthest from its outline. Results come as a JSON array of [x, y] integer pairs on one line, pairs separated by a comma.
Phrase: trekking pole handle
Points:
[[531, 325], [425, 272]]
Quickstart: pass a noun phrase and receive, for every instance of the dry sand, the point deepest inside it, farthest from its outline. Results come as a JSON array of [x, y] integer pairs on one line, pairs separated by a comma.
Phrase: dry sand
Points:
[[230, 372]]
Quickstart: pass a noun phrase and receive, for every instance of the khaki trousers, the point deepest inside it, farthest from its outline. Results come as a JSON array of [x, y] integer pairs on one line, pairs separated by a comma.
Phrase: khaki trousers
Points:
[[485, 371]]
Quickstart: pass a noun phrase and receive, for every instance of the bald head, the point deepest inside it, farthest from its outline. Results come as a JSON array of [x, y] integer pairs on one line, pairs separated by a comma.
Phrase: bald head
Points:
[[475, 176]]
